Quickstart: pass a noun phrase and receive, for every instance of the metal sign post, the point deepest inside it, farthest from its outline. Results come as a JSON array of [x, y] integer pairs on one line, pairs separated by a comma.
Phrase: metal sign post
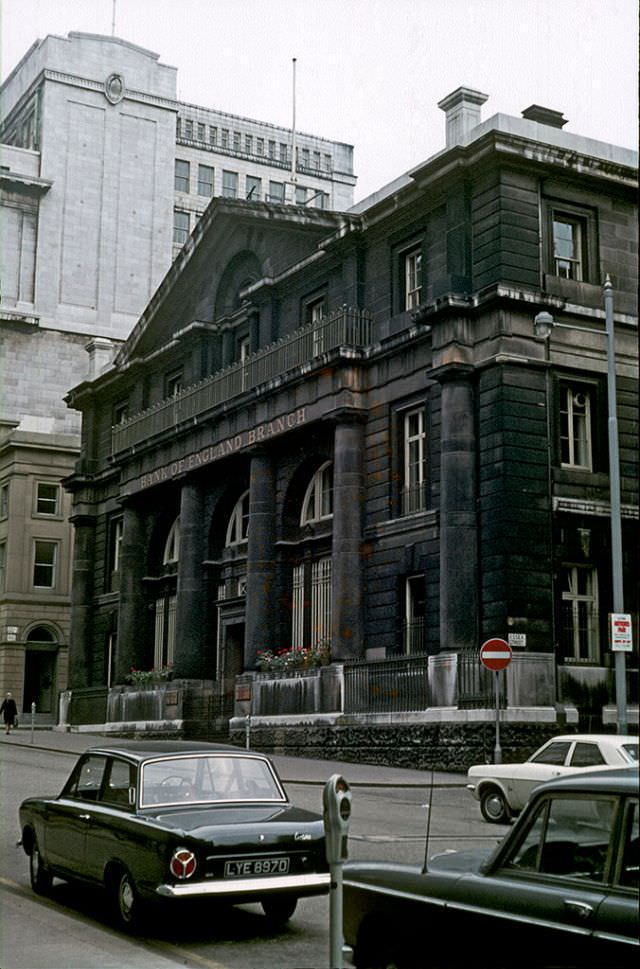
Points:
[[495, 655]]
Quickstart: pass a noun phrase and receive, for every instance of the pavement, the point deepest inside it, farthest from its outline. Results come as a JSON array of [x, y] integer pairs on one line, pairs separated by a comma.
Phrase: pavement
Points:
[[292, 770]]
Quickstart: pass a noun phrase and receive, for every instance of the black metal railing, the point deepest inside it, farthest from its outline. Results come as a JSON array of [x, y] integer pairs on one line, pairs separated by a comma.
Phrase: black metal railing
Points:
[[476, 686], [414, 499], [413, 636], [397, 684], [347, 327]]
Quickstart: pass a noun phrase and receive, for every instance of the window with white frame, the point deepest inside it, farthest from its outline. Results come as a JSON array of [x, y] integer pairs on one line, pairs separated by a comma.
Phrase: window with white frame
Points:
[[414, 465], [318, 500], [47, 498], [45, 560], [412, 264], [173, 383], [253, 188], [276, 191], [576, 450], [205, 180], [238, 527], [315, 312], [580, 619], [311, 603], [568, 246], [165, 631], [4, 500], [413, 618], [229, 184], [180, 227], [182, 175], [116, 533]]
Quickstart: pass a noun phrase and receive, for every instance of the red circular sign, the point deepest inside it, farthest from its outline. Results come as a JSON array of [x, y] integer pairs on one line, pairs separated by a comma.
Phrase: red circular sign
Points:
[[495, 654]]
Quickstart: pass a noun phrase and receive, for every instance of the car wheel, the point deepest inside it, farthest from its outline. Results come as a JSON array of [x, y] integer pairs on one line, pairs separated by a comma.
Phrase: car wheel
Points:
[[279, 908], [127, 901], [39, 875], [494, 806]]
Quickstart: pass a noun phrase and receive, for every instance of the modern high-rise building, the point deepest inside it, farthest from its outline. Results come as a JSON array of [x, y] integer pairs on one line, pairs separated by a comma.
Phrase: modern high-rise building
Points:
[[103, 176]]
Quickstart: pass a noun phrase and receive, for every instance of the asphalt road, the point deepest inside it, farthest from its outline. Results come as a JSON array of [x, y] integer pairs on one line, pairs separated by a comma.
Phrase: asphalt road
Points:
[[72, 930]]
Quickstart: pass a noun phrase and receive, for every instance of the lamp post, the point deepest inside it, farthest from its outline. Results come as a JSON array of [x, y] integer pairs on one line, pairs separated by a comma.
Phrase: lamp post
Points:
[[544, 324]]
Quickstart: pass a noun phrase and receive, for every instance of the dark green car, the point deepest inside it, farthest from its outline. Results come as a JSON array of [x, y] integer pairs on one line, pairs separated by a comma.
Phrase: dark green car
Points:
[[173, 820], [561, 890]]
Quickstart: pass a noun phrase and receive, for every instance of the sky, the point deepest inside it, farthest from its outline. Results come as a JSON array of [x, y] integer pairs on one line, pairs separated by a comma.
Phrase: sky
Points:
[[370, 72]]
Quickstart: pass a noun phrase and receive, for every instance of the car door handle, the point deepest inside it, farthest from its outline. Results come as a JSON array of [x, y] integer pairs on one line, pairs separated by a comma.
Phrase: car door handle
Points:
[[582, 909], [84, 817]]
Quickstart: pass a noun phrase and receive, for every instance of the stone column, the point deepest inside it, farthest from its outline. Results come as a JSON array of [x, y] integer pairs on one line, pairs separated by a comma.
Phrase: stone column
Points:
[[189, 659], [132, 616], [259, 622], [81, 603], [347, 580], [458, 519]]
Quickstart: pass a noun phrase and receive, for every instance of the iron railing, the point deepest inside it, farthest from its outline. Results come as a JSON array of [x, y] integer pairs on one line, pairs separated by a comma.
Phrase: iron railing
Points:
[[347, 327], [413, 636], [476, 687], [397, 684]]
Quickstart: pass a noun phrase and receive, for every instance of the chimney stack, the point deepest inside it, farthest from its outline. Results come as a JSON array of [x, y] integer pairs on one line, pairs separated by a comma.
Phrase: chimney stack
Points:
[[462, 112], [544, 116], [100, 351]]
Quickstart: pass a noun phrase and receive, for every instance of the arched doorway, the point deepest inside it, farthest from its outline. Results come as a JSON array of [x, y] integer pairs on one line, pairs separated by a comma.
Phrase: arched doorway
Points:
[[40, 671]]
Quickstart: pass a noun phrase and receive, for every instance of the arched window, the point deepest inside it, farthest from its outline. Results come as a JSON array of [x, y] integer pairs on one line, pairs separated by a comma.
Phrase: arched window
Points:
[[318, 500], [172, 545], [40, 634], [238, 527]]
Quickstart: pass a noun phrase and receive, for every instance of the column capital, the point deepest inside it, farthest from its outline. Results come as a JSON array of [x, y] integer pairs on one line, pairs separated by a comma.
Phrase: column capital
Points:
[[452, 371], [346, 415]]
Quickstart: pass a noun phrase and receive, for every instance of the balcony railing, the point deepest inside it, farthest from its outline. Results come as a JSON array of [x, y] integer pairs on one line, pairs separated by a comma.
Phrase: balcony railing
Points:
[[346, 327]]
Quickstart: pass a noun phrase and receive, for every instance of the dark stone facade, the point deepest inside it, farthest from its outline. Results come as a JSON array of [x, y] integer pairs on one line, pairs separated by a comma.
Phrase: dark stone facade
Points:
[[284, 342]]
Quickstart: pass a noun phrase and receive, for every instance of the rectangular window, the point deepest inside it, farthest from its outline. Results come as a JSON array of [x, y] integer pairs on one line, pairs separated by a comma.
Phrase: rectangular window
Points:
[[272, 149], [276, 192], [248, 144], [260, 146], [311, 601], [576, 427], [236, 141], [178, 127], [3, 566], [224, 138], [181, 181], [180, 227], [116, 532], [230, 185], [301, 195], [320, 200], [327, 163], [44, 564], [47, 498], [205, 180], [412, 263], [314, 315], [568, 246], [413, 621], [165, 631], [253, 188], [188, 130], [414, 462], [305, 158], [201, 132], [4, 500], [173, 383], [213, 135], [580, 620], [316, 160], [120, 412], [283, 152]]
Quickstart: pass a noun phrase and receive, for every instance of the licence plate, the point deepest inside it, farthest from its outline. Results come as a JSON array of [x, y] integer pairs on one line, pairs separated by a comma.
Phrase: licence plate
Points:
[[256, 866]]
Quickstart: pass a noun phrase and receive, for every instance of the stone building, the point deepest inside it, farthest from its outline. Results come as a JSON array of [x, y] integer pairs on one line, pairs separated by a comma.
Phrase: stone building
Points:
[[343, 432], [104, 174]]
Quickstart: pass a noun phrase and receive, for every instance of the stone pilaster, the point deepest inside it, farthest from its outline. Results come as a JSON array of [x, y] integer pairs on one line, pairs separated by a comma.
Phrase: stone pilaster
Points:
[[259, 624], [81, 603], [189, 658], [347, 579], [130, 650]]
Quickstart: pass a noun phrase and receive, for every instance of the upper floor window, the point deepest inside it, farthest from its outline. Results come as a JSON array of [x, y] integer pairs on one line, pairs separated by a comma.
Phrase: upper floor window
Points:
[[576, 448], [569, 246], [4, 500], [180, 227], [238, 527], [412, 266], [327, 163], [316, 159], [414, 462], [283, 152], [580, 620], [253, 188], [213, 135], [414, 612], [318, 500], [3, 565], [173, 383], [259, 146], [230, 185], [171, 552], [188, 130], [201, 131], [224, 137], [205, 180], [301, 195], [236, 141], [304, 158], [47, 498], [116, 533], [272, 149], [181, 180], [45, 560], [276, 191], [120, 412], [248, 144]]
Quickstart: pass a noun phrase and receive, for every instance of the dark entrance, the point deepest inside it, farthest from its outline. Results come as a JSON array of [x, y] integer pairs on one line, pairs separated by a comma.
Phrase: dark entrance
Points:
[[40, 671]]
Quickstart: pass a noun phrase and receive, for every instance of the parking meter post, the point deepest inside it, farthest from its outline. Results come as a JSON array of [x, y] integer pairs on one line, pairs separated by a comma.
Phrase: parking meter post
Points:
[[33, 717], [336, 802], [497, 752], [247, 731]]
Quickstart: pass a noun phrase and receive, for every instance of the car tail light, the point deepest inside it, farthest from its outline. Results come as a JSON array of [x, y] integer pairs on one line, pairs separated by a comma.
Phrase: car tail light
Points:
[[183, 863]]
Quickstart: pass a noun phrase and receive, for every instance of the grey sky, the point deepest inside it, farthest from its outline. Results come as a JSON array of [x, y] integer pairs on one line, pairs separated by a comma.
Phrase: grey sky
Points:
[[370, 72]]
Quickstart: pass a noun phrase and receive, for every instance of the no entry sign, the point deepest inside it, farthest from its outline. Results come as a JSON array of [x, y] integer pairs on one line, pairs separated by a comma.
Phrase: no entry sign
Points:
[[495, 654]]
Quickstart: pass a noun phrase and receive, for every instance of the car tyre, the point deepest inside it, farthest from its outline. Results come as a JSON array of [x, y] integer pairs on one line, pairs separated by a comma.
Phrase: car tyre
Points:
[[127, 902], [39, 875], [279, 908], [494, 806]]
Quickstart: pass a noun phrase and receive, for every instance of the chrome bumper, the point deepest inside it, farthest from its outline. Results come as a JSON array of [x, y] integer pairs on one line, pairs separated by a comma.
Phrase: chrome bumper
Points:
[[305, 884]]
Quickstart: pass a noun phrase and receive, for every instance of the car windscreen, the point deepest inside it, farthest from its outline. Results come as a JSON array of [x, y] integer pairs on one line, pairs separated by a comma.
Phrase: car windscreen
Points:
[[208, 779]]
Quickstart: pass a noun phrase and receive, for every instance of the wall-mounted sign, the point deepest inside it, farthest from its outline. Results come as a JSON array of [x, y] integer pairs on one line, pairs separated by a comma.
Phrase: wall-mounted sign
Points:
[[621, 632]]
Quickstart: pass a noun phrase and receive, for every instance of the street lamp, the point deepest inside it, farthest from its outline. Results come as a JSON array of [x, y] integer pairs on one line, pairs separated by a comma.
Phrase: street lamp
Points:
[[544, 323]]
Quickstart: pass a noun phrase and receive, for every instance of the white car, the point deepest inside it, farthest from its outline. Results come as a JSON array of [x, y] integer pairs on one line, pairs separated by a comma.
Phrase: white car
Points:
[[504, 789]]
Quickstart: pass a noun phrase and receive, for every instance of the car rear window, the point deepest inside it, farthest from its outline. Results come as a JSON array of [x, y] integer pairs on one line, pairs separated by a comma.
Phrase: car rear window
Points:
[[209, 779], [586, 755]]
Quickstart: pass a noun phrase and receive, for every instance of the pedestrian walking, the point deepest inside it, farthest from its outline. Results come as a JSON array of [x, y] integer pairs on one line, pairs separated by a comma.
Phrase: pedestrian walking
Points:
[[9, 711]]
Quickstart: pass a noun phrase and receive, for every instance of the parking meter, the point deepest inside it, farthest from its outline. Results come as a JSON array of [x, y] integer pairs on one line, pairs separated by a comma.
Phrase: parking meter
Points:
[[336, 803]]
